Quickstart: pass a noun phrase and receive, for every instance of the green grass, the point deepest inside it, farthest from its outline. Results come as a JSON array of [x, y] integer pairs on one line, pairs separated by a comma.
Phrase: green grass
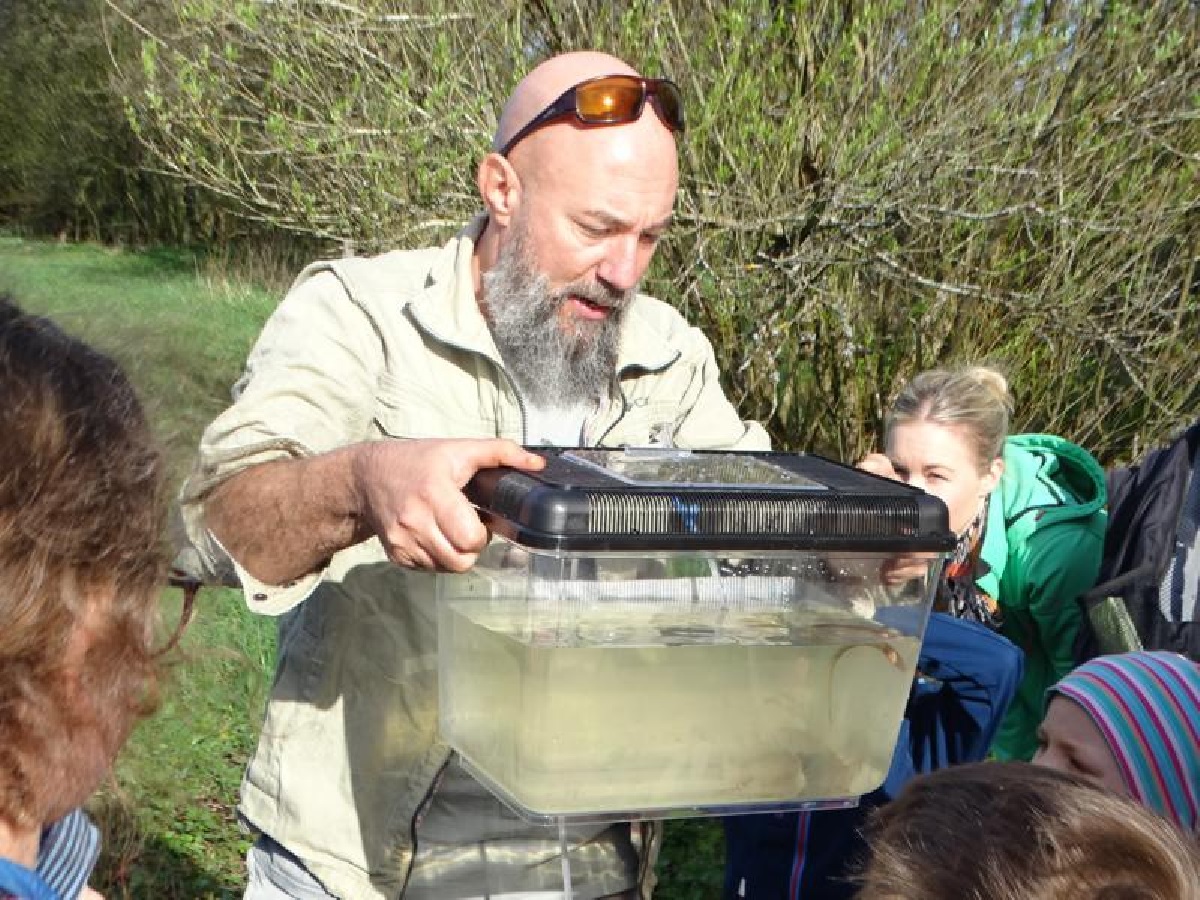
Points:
[[169, 820], [182, 332]]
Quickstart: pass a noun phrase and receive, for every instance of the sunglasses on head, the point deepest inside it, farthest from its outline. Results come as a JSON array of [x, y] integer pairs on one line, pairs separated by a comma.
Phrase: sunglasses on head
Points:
[[609, 100]]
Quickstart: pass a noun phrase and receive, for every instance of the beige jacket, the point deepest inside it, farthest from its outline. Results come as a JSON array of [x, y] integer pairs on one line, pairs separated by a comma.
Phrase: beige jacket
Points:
[[395, 347]]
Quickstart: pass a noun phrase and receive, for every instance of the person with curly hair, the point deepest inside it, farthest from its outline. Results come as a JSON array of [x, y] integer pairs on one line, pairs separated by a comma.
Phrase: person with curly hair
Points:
[[82, 562]]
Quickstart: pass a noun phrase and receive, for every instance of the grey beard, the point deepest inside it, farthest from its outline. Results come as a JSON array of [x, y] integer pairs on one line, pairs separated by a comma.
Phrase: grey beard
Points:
[[553, 367]]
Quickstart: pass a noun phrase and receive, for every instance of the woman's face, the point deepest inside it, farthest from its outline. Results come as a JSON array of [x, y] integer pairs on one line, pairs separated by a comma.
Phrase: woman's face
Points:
[[1070, 741], [940, 460]]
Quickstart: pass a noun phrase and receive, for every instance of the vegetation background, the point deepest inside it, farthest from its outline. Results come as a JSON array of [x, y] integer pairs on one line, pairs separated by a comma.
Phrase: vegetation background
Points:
[[869, 188]]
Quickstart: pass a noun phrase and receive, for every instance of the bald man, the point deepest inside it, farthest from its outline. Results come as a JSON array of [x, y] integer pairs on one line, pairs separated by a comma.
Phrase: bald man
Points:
[[332, 487]]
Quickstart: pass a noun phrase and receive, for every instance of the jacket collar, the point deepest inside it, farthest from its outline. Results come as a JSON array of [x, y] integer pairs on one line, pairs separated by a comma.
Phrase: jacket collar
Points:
[[447, 309], [994, 552], [446, 306]]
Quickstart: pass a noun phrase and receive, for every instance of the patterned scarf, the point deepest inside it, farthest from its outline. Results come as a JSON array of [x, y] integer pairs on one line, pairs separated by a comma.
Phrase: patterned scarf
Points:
[[958, 594]]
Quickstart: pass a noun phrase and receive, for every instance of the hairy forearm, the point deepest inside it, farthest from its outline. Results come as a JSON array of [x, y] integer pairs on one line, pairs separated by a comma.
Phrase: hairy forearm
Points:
[[282, 520]]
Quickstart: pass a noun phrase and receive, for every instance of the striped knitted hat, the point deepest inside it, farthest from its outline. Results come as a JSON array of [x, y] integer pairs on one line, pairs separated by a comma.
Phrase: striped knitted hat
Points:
[[1147, 706]]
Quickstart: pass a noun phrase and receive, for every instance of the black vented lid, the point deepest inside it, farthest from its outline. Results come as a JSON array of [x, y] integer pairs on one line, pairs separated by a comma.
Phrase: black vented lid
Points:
[[669, 500]]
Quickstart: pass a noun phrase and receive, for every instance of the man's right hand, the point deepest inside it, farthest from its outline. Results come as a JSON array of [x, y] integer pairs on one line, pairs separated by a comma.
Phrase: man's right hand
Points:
[[284, 519], [410, 496]]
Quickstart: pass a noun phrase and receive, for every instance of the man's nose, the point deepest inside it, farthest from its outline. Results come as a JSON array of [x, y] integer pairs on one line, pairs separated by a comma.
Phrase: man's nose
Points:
[[624, 262]]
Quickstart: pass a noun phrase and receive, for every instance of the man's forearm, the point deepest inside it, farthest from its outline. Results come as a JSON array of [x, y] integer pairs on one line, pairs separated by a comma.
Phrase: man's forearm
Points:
[[283, 519]]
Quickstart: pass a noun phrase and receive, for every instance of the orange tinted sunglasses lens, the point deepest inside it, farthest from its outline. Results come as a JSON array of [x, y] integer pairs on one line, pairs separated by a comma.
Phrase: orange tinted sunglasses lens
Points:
[[604, 102], [609, 100]]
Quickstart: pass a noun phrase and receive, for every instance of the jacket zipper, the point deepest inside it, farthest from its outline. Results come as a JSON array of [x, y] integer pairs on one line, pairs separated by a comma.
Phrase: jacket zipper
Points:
[[617, 421]]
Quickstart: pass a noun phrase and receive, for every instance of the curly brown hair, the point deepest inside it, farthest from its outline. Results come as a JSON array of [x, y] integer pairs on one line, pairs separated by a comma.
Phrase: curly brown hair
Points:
[[82, 559], [1016, 831]]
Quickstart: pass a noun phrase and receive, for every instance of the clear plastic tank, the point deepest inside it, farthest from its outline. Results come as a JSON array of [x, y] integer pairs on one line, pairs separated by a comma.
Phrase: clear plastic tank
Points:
[[612, 685]]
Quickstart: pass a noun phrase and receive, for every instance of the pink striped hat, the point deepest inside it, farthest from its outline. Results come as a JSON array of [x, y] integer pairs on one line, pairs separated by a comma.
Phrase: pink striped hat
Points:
[[1147, 705]]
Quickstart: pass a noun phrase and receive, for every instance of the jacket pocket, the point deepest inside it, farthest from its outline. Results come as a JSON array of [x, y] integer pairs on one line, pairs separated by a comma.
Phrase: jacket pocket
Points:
[[645, 424], [418, 408]]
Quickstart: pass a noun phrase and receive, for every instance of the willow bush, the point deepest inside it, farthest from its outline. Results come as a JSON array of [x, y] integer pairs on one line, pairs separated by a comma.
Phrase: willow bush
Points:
[[869, 187]]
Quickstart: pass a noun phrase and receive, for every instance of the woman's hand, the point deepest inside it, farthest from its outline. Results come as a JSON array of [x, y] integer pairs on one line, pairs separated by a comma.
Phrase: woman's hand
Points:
[[878, 464], [906, 567]]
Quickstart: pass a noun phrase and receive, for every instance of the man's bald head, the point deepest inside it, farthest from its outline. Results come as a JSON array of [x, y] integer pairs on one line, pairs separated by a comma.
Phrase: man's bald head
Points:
[[575, 213], [547, 82]]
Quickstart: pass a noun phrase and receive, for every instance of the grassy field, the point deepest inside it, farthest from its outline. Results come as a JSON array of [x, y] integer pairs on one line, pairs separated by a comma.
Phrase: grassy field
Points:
[[182, 329]]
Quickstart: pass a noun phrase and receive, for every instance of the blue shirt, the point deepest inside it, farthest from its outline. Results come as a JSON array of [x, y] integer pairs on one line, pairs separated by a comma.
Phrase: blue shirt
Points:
[[22, 883], [67, 853]]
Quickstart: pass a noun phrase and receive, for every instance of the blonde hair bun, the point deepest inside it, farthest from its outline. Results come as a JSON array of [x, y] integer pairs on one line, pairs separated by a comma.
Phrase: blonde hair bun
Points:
[[995, 383]]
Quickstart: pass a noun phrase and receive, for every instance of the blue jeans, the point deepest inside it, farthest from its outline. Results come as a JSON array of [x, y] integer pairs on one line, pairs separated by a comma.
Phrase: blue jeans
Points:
[[274, 873]]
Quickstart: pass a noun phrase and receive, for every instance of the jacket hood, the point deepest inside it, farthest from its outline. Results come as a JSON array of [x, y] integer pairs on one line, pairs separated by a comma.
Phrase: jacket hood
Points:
[[1049, 474], [1047, 480]]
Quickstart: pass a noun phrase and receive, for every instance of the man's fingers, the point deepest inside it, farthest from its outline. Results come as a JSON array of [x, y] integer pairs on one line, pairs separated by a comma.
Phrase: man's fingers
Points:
[[461, 528], [415, 501], [411, 556], [444, 556], [443, 537], [457, 563], [499, 452], [438, 556]]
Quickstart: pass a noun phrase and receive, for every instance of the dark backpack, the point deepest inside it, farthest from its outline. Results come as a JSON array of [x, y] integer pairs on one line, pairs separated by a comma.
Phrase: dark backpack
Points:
[[1145, 521]]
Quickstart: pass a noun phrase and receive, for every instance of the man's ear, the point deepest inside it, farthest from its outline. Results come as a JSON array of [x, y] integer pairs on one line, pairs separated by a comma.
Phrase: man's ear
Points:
[[500, 188]]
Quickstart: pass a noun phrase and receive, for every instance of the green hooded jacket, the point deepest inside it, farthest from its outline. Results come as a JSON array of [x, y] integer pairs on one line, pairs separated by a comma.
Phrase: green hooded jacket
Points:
[[1041, 550]]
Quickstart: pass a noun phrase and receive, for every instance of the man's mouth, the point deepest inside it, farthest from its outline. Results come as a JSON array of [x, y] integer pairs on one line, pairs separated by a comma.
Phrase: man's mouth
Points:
[[586, 308]]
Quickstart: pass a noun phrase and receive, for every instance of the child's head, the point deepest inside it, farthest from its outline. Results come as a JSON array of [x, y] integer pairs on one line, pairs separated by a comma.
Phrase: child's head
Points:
[[1015, 831], [1130, 722], [81, 564]]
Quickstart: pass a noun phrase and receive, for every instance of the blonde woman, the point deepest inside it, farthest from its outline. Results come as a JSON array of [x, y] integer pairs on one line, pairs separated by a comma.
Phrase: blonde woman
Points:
[[1028, 510]]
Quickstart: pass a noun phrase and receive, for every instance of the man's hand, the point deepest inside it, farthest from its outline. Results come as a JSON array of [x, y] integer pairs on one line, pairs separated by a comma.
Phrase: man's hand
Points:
[[410, 496], [285, 518]]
